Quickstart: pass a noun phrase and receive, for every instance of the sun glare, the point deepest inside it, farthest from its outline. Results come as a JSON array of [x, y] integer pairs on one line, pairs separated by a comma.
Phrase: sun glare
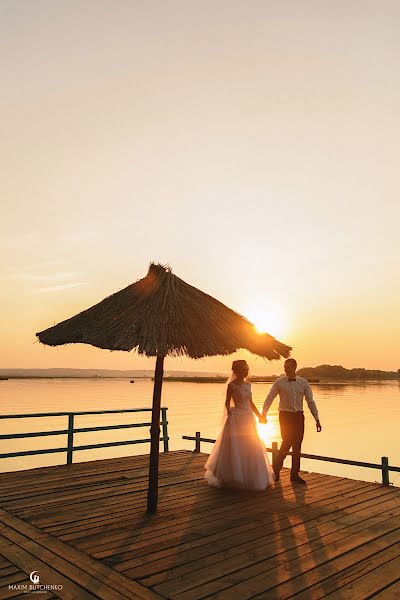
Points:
[[270, 431], [267, 319]]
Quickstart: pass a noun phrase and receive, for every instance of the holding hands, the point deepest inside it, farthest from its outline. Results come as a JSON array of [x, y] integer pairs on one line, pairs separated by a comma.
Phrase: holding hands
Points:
[[263, 419]]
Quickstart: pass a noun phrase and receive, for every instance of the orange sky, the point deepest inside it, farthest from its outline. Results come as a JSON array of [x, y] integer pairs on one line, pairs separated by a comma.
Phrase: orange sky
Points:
[[251, 145]]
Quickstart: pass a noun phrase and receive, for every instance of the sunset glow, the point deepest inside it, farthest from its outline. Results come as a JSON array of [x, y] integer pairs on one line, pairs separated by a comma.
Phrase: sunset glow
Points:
[[268, 319], [269, 432], [255, 152]]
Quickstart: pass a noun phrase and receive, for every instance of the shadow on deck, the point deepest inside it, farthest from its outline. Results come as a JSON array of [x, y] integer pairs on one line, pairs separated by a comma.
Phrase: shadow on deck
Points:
[[84, 527]]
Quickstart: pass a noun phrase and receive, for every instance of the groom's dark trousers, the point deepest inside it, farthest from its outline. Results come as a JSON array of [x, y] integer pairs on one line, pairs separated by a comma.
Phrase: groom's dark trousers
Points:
[[292, 432]]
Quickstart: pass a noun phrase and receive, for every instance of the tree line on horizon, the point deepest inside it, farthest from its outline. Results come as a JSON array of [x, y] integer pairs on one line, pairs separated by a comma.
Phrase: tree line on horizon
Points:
[[339, 372]]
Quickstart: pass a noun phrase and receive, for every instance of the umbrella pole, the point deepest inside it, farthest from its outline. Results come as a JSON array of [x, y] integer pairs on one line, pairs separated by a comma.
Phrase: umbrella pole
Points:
[[152, 493]]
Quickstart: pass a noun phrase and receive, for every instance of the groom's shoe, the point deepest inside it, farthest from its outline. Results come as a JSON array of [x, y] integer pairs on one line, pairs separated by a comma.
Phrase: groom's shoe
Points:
[[297, 479]]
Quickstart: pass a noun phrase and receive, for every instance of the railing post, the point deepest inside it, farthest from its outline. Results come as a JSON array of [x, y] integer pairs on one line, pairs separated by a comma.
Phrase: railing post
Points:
[[274, 452], [385, 472], [70, 442], [165, 429], [197, 442]]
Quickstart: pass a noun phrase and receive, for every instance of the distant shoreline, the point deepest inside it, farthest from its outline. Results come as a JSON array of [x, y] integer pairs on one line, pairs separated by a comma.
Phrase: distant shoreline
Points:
[[320, 374], [271, 380], [199, 380], [94, 377]]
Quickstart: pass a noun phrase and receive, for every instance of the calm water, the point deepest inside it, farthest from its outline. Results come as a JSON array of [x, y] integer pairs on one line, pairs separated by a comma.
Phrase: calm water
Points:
[[360, 421]]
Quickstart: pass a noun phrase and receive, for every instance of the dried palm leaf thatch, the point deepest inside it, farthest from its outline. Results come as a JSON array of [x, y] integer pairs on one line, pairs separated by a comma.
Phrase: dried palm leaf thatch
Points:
[[162, 315]]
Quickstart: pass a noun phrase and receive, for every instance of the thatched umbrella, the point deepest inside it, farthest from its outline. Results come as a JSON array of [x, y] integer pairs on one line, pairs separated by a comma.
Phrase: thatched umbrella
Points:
[[161, 315]]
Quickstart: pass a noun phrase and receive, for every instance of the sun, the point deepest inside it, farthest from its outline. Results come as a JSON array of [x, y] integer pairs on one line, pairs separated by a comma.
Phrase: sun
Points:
[[267, 319], [269, 432]]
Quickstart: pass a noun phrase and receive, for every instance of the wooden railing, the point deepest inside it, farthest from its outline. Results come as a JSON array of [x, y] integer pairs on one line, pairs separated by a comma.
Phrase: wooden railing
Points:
[[71, 430], [383, 466]]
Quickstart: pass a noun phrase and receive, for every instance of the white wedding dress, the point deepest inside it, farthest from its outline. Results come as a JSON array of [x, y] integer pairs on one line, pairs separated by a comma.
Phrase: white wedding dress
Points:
[[238, 458]]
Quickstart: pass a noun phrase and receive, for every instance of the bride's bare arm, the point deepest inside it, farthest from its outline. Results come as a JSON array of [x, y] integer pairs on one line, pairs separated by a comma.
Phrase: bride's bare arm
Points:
[[228, 400], [255, 410]]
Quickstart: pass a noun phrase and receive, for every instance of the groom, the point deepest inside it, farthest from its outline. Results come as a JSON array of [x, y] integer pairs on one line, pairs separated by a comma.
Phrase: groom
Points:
[[291, 390]]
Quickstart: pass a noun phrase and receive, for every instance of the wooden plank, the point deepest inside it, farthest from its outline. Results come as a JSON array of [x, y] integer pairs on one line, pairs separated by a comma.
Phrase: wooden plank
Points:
[[349, 575], [63, 470], [246, 547], [8, 570], [85, 571], [62, 519], [224, 503], [68, 475], [250, 517], [278, 551], [340, 563], [150, 543], [28, 562], [17, 489], [286, 574], [227, 539], [171, 501], [298, 575], [130, 477], [130, 474], [99, 507], [181, 490], [139, 494], [13, 578], [248, 522], [390, 593], [107, 465], [183, 498], [56, 516], [372, 582], [53, 496]]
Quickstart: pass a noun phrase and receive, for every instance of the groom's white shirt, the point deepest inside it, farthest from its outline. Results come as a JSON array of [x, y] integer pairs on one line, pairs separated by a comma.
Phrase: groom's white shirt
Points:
[[291, 394]]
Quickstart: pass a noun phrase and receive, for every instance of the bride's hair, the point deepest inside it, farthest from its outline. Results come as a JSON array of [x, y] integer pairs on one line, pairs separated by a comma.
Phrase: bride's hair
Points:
[[237, 364]]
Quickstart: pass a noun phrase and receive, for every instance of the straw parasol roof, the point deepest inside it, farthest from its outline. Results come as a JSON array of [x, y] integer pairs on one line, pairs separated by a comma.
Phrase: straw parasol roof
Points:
[[162, 315]]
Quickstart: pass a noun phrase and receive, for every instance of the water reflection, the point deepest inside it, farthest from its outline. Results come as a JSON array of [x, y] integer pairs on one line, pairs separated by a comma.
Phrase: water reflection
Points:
[[360, 422], [269, 432]]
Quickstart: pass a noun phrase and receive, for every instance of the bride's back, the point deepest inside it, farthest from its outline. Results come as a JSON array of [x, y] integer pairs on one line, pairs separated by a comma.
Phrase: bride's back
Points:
[[241, 394]]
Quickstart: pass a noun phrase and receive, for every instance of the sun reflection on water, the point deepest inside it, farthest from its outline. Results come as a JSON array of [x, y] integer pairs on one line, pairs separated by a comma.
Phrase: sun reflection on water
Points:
[[269, 432]]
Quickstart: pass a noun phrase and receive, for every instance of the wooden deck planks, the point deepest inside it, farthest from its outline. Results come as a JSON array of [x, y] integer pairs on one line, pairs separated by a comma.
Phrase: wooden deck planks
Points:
[[392, 592], [336, 538], [31, 549], [228, 534], [222, 503], [196, 535], [193, 566], [137, 483], [271, 566]]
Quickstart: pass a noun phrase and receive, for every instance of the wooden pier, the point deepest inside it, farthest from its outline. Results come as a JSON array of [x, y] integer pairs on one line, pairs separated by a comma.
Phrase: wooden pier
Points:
[[83, 526]]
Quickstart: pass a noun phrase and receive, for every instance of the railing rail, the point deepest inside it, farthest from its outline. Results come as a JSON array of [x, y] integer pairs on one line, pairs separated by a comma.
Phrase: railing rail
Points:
[[70, 448], [383, 466]]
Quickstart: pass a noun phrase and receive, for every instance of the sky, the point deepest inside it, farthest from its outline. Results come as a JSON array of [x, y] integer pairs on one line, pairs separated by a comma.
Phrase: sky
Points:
[[251, 145]]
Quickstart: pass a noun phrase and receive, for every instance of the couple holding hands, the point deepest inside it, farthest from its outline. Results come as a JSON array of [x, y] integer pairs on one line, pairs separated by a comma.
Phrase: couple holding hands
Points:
[[239, 458]]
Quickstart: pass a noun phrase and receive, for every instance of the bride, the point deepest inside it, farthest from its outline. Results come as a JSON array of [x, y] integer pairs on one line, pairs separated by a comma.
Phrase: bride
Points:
[[238, 458]]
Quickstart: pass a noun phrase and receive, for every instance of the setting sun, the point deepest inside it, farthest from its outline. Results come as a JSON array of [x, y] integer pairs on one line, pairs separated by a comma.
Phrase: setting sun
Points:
[[270, 431], [267, 319]]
